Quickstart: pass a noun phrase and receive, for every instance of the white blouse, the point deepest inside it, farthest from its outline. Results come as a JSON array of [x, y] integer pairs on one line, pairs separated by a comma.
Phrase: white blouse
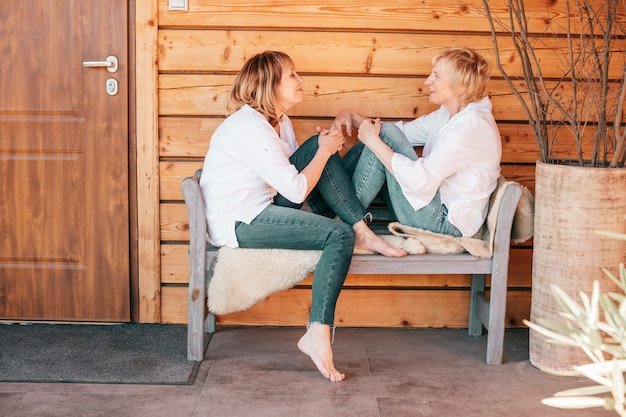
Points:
[[246, 166], [461, 159]]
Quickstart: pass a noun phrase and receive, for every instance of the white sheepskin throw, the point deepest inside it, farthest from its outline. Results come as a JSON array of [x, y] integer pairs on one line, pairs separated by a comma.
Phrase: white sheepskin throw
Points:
[[524, 220], [243, 277], [481, 244]]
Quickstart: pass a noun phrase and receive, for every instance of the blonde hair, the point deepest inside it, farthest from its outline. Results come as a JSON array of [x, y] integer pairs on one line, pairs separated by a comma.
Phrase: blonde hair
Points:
[[470, 71], [257, 84]]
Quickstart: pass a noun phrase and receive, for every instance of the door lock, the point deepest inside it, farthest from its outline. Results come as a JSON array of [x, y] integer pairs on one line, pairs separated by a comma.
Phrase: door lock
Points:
[[112, 86]]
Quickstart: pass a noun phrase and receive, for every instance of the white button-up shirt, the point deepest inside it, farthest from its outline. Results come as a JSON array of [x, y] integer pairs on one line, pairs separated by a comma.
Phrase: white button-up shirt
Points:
[[246, 165], [461, 159]]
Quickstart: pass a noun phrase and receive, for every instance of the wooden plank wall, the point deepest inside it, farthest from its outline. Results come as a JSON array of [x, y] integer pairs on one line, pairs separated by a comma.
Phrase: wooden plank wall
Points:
[[351, 54]]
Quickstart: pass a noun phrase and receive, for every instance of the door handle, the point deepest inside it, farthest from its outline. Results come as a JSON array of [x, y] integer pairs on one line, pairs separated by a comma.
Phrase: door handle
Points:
[[111, 63]]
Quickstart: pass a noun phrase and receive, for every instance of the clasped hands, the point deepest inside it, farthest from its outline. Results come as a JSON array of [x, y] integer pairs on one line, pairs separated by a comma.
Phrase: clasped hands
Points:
[[369, 129]]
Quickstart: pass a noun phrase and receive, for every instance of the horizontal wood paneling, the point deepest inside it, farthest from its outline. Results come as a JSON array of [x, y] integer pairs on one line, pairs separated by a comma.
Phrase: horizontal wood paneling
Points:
[[336, 53], [366, 55], [189, 137], [384, 97], [357, 308], [175, 270], [173, 172], [363, 16]]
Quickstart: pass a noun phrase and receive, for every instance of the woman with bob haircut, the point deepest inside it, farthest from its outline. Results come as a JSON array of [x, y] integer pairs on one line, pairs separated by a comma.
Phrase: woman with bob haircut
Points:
[[447, 189], [256, 178]]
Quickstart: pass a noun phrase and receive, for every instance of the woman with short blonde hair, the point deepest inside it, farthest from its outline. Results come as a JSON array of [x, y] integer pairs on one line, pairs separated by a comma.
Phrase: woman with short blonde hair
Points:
[[447, 189]]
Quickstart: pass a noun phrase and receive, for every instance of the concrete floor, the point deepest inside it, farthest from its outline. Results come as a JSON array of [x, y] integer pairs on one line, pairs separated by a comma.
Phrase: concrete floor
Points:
[[259, 372]]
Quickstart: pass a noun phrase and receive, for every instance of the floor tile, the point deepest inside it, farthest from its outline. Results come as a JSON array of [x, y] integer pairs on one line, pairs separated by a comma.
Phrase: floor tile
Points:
[[103, 405], [8, 401], [259, 372], [292, 406]]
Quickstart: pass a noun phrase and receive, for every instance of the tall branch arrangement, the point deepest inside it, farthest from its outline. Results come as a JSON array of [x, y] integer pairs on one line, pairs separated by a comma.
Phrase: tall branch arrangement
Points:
[[584, 100]]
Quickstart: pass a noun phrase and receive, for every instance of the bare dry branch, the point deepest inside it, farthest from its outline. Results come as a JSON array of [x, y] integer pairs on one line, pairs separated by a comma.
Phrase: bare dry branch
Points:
[[581, 98]]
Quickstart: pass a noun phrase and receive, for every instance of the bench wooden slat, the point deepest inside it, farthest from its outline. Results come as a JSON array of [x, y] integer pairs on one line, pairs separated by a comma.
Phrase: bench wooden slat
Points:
[[431, 263]]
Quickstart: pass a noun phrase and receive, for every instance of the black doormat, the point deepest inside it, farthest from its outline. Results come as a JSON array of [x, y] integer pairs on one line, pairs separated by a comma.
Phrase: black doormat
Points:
[[102, 354]]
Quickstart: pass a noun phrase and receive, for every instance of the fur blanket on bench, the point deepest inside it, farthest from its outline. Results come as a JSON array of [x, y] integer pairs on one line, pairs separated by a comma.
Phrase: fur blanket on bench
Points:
[[243, 277], [481, 244]]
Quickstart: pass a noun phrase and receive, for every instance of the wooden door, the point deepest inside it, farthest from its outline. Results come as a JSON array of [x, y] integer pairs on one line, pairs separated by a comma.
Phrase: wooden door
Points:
[[64, 211]]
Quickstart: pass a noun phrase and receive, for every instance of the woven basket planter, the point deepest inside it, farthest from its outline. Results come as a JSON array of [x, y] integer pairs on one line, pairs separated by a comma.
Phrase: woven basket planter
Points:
[[571, 204]]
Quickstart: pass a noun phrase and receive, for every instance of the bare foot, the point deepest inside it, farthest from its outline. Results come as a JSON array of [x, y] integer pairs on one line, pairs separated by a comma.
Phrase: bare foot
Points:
[[367, 240], [316, 344]]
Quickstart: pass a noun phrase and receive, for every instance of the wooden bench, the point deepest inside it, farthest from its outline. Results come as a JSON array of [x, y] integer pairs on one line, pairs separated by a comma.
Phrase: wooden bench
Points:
[[489, 312]]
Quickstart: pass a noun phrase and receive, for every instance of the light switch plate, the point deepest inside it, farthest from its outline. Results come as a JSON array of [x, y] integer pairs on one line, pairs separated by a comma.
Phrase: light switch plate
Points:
[[178, 5]]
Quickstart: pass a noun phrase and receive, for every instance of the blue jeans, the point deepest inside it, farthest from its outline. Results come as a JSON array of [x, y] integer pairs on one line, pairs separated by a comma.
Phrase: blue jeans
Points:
[[370, 176], [283, 225]]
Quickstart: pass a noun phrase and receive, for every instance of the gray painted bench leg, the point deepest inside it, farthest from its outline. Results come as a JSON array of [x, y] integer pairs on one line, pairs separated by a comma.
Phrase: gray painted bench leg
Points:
[[490, 312], [495, 328], [475, 327], [209, 324], [196, 325]]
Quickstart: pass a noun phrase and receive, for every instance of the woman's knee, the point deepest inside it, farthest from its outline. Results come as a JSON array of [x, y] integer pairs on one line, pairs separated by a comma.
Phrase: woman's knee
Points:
[[343, 232], [311, 140], [396, 139], [305, 153], [391, 134], [351, 158], [390, 129]]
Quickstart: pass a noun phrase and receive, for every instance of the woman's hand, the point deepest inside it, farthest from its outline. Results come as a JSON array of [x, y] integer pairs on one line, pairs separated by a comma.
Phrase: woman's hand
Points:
[[369, 135], [344, 118], [330, 140], [369, 131]]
